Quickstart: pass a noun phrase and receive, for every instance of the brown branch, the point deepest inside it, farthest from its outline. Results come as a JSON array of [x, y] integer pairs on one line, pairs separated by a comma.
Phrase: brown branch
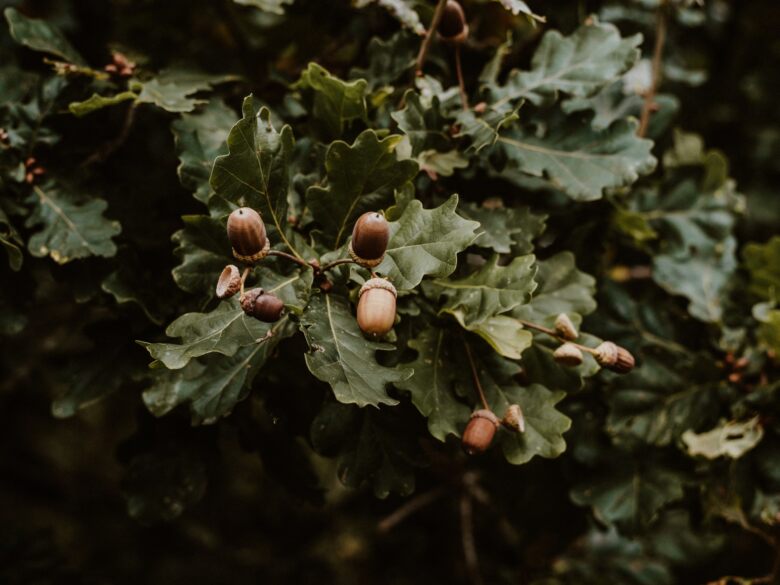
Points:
[[464, 98], [429, 34], [335, 263], [467, 539], [553, 333], [110, 147], [409, 508], [660, 38], [290, 257], [475, 374]]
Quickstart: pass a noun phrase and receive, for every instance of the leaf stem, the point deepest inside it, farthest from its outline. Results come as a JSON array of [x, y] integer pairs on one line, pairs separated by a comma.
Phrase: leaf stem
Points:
[[426, 44], [296, 259], [464, 98], [660, 38], [553, 333], [335, 263], [475, 374]]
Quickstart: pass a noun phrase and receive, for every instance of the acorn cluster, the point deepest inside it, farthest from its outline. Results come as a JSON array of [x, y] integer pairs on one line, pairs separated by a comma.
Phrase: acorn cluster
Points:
[[370, 236]]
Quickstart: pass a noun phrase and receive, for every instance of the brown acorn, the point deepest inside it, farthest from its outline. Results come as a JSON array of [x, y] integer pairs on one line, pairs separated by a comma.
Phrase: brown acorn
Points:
[[261, 305], [376, 307], [479, 432], [229, 282], [370, 236], [246, 232], [568, 354], [565, 328], [615, 358], [452, 26]]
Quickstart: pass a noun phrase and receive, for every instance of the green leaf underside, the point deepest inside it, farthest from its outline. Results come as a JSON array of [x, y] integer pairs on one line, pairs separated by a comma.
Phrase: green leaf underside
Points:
[[432, 386], [426, 242], [361, 177], [336, 102], [172, 89], [69, 230], [39, 35], [342, 357], [256, 172]]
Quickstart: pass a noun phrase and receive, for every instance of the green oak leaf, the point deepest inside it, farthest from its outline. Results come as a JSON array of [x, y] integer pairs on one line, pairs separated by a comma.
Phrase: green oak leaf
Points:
[[336, 102], [227, 328], [577, 65], [630, 493], [342, 357], [425, 126], [763, 263], [69, 228], [505, 229], [172, 89], [426, 242], [39, 35], [213, 384], [731, 439], [256, 171], [11, 241], [204, 250], [519, 7], [402, 10], [489, 291], [580, 161], [273, 6], [432, 386], [97, 102], [361, 177], [388, 59], [373, 446], [768, 333], [200, 138], [506, 335], [483, 129], [562, 289], [131, 283]]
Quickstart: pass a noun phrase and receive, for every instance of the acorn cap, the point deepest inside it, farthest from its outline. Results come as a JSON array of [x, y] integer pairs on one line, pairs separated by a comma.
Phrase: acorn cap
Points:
[[248, 300], [229, 282], [568, 354], [514, 419], [452, 26], [370, 236], [565, 328], [479, 432], [246, 232], [382, 283], [615, 358]]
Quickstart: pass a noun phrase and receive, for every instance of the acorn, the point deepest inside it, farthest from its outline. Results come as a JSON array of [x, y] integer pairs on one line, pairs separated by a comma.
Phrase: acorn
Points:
[[246, 232], [369, 239], [452, 26], [565, 328], [613, 357], [229, 282], [514, 419], [261, 305], [568, 354], [376, 307], [479, 432]]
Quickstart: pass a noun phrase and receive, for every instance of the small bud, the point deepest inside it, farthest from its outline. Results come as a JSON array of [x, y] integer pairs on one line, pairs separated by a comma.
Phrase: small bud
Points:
[[479, 432], [246, 232], [568, 354], [565, 328], [261, 305], [615, 358], [229, 282], [369, 239], [514, 419], [452, 26], [376, 307]]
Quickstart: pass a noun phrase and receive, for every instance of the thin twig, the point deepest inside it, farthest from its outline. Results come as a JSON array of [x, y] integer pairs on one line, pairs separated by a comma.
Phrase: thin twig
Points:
[[467, 539], [114, 144], [290, 257], [464, 98], [426, 44], [246, 272], [658, 50], [335, 263], [409, 508], [474, 373], [553, 333]]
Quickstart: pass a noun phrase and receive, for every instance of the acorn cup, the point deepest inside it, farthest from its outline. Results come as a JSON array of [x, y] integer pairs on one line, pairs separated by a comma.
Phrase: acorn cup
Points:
[[615, 358], [263, 306], [569, 355], [376, 307], [369, 239], [565, 328], [479, 433], [246, 232], [229, 282], [514, 419], [452, 27]]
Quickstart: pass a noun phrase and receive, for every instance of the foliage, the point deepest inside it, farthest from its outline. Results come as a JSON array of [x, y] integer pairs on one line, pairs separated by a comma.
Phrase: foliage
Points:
[[545, 189]]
